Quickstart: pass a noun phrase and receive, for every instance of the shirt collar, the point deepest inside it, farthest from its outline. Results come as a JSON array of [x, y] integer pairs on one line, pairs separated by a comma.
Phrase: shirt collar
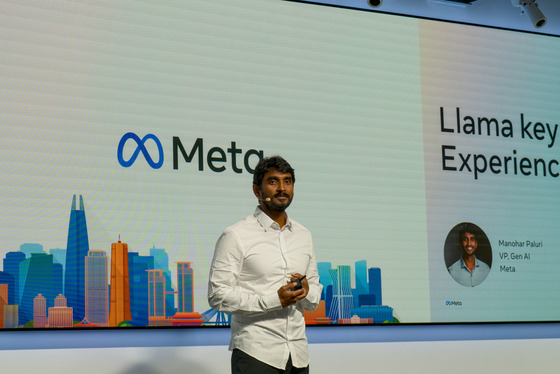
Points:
[[476, 264], [268, 223]]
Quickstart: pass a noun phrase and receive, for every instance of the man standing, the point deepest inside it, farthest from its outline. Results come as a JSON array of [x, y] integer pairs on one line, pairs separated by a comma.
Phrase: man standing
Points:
[[264, 273], [469, 270]]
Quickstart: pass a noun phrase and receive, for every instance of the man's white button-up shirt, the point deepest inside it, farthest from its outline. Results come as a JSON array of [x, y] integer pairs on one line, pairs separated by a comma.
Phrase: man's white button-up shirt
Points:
[[252, 260]]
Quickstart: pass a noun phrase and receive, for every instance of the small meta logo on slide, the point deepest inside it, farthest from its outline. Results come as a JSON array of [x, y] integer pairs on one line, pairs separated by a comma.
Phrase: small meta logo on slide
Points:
[[453, 303], [140, 147]]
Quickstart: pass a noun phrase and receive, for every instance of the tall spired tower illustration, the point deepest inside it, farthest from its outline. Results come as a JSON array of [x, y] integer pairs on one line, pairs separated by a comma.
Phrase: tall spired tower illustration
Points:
[[77, 249]]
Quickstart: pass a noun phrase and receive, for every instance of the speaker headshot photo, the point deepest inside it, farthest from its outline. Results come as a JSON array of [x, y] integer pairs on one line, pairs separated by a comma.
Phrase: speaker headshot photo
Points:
[[468, 254]]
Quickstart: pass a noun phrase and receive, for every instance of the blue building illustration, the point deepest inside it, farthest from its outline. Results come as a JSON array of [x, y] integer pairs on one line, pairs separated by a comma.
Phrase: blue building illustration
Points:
[[363, 302], [77, 248]]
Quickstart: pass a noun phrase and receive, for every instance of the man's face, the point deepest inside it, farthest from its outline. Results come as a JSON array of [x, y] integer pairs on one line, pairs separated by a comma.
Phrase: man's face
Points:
[[277, 186], [469, 243]]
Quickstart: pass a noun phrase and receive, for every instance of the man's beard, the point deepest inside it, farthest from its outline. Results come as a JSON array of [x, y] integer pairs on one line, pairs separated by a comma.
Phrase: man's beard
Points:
[[271, 205]]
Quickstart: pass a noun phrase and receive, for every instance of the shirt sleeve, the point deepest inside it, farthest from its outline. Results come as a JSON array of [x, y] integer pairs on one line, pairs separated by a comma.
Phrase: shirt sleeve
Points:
[[311, 301], [223, 293]]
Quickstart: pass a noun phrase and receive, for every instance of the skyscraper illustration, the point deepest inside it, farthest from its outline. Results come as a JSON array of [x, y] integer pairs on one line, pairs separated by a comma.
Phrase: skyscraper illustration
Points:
[[361, 278], [39, 311], [156, 282], [97, 292], [3, 301], [29, 248], [61, 315], [9, 281], [57, 279], [11, 266], [138, 267], [119, 309], [185, 296], [323, 268], [37, 275], [342, 298], [361, 274], [11, 316], [344, 304], [375, 284], [77, 248], [59, 256], [161, 261], [60, 301]]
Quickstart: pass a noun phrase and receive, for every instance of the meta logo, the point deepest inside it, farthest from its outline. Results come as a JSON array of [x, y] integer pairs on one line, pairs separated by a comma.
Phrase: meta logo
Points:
[[453, 303], [140, 148], [216, 158]]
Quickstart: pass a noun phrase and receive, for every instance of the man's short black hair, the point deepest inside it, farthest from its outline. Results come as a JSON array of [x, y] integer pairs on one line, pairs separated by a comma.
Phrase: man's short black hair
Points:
[[271, 163], [467, 227]]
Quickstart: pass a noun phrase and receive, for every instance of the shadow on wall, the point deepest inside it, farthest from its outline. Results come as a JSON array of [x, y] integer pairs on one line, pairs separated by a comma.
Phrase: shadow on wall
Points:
[[119, 360], [169, 360]]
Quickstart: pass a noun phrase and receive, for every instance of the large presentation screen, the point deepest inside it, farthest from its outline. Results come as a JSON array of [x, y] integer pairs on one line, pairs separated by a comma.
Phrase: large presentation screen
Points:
[[426, 159]]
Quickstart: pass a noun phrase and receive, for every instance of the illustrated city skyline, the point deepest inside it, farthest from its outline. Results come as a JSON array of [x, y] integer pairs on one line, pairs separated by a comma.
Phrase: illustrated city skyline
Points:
[[79, 287]]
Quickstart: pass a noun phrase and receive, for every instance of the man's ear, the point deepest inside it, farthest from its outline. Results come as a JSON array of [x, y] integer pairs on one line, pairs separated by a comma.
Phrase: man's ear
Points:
[[257, 191]]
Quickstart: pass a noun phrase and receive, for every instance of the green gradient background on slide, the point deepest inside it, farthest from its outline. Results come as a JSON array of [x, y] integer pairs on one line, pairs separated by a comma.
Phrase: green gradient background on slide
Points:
[[301, 81]]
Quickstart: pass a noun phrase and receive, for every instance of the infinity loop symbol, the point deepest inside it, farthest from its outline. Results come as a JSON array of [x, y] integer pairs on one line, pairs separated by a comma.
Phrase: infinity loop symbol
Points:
[[141, 148]]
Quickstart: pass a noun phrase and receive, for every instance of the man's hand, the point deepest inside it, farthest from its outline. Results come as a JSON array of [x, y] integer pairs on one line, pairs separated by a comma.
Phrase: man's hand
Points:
[[288, 297]]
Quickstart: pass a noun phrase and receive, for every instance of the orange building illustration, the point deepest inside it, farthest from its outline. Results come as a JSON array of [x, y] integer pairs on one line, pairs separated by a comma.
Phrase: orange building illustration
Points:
[[317, 316], [185, 297], [60, 301], [156, 296], [119, 310], [3, 301], [187, 319], [61, 315]]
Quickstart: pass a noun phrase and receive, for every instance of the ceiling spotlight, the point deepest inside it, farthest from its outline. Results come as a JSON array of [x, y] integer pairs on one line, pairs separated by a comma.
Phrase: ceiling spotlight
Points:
[[532, 9], [462, 3], [375, 3]]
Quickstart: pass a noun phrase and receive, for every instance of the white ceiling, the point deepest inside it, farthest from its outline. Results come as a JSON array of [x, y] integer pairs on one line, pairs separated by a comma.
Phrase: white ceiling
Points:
[[495, 13]]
